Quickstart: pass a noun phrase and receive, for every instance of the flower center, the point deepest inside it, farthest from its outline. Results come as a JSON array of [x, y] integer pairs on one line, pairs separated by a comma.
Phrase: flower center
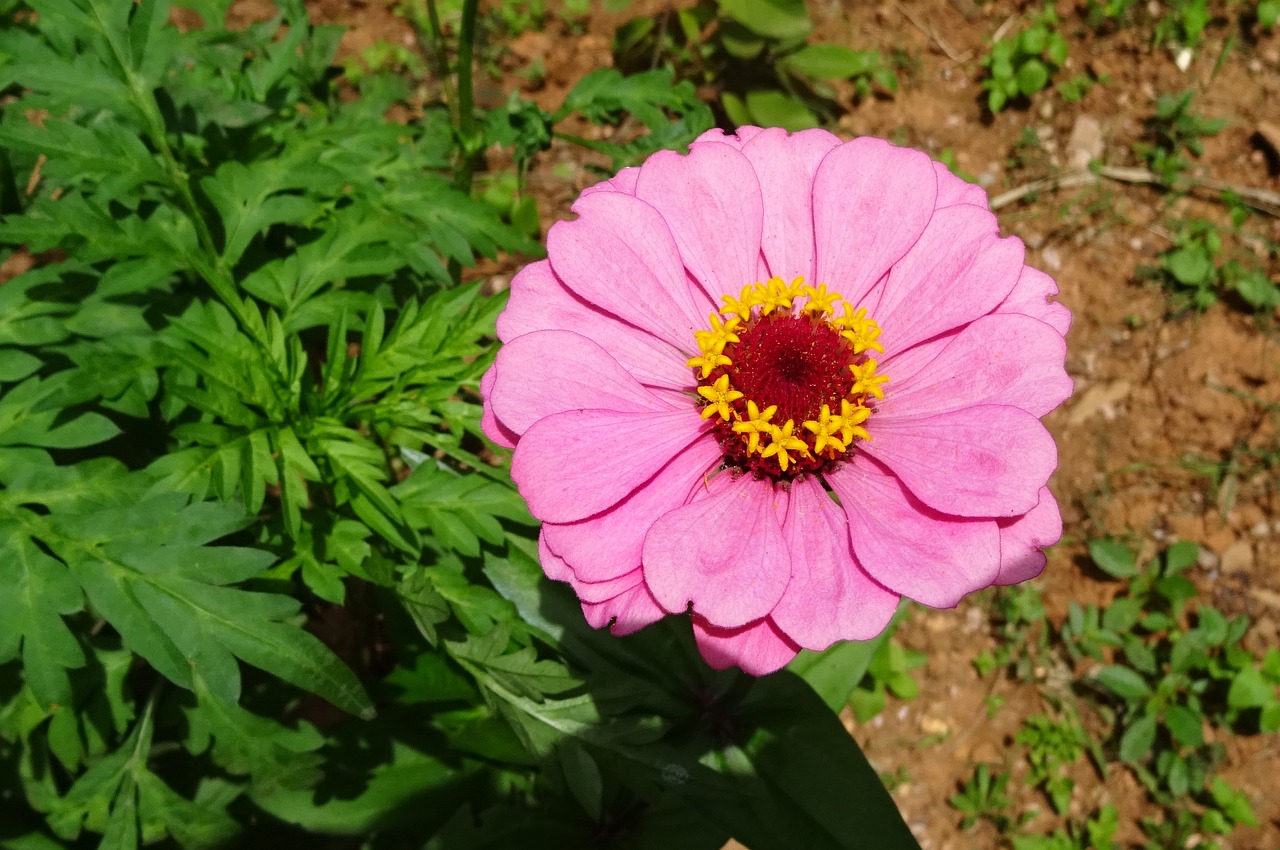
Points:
[[788, 383]]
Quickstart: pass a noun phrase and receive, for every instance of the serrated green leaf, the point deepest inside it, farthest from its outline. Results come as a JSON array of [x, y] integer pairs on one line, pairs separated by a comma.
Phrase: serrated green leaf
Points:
[[38, 591]]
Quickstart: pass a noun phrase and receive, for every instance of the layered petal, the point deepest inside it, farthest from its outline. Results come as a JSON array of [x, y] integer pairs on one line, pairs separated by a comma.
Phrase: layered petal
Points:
[[829, 597], [871, 202], [624, 181], [620, 256], [724, 555], [785, 165], [1030, 296], [1022, 540], [489, 424], [587, 376], [629, 611], [736, 139], [608, 544], [952, 190], [1003, 359], [907, 546], [959, 268], [540, 302], [759, 648], [575, 464], [711, 200], [984, 461]]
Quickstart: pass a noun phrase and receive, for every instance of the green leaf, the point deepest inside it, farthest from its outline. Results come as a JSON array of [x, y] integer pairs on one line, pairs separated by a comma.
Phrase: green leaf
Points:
[[37, 589], [830, 61], [773, 108], [1113, 558], [835, 672], [1180, 556], [1190, 266], [1033, 76], [1249, 689], [1138, 739], [1184, 725], [1123, 681], [779, 19], [145, 568]]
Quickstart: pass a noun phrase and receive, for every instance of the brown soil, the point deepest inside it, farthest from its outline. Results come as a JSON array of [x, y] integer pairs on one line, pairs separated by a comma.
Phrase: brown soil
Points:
[[1152, 390]]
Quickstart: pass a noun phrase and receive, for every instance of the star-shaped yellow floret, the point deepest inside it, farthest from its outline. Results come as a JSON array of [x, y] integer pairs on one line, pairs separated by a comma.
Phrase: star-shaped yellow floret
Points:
[[783, 441], [851, 417], [708, 362], [779, 294], [756, 423], [865, 379], [827, 430], [720, 335], [820, 301], [861, 330], [741, 306], [718, 397]]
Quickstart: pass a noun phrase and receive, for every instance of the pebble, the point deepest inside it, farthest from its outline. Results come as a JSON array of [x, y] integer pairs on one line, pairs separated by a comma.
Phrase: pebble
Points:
[[1052, 258], [1207, 560], [1238, 557]]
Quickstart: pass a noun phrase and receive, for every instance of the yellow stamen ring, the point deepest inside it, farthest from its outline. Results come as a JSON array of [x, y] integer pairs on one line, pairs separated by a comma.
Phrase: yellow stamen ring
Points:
[[781, 326]]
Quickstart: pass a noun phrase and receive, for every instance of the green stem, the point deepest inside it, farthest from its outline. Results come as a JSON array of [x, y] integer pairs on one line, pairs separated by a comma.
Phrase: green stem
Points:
[[440, 59], [472, 147]]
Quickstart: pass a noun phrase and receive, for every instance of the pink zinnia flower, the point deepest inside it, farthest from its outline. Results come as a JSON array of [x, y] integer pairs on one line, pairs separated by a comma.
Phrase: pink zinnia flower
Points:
[[780, 383]]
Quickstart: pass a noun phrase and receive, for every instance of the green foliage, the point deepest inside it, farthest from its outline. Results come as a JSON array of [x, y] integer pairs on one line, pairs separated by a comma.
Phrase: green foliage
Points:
[[1023, 64], [757, 54], [1267, 12], [1173, 132], [1175, 671], [888, 672], [1184, 23], [1197, 270], [1051, 747], [984, 797]]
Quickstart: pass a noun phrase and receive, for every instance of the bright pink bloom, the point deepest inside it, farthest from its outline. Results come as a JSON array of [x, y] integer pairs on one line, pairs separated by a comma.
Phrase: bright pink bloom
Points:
[[780, 383]]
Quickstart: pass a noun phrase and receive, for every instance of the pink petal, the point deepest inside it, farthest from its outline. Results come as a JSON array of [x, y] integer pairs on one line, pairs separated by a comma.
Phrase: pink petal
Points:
[[558, 569], [907, 546], [958, 271], [984, 461], [711, 200], [724, 554], [624, 181], [736, 139], [547, 372], [489, 424], [1023, 538], [759, 648], [871, 202], [540, 302], [785, 166], [574, 464], [829, 598], [1030, 296], [1004, 359], [620, 256], [952, 190], [603, 546], [627, 601], [629, 611]]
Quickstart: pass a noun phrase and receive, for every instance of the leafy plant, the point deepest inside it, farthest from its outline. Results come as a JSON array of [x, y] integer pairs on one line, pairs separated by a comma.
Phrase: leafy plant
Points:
[[984, 797], [888, 672], [1175, 672], [758, 54], [1194, 270], [1051, 746], [1173, 132], [1021, 65]]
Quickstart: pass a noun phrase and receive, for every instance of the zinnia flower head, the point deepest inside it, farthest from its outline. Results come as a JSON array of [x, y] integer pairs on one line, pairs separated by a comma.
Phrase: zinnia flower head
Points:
[[780, 383]]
